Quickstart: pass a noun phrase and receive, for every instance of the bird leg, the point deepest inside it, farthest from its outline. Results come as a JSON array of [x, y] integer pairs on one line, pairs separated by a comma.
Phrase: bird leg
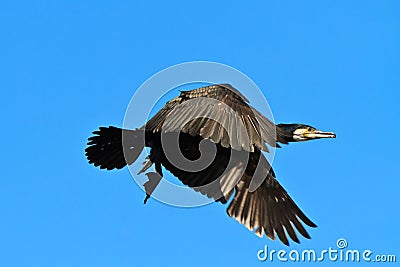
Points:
[[154, 180]]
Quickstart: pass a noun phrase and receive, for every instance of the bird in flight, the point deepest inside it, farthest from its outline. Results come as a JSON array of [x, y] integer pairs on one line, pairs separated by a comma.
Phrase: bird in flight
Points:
[[212, 140]]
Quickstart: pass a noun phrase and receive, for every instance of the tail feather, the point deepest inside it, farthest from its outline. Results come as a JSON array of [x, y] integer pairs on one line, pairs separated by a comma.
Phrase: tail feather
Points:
[[106, 147]]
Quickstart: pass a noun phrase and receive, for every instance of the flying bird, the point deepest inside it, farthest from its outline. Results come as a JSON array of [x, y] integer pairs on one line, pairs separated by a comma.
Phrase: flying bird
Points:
[[214, 125]]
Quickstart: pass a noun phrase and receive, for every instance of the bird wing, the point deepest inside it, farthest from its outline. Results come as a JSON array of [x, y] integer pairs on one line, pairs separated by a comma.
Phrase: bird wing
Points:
[[269, 209], [220, 113], [218, 178], [266, 210]]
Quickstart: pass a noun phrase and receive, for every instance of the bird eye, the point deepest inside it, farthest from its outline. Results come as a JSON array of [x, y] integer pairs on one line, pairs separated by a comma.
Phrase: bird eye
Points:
[[309, 128]]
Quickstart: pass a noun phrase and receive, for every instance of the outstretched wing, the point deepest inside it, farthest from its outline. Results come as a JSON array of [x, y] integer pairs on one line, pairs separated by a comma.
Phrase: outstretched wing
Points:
[[213, 175], [268, 210], [205, 111]]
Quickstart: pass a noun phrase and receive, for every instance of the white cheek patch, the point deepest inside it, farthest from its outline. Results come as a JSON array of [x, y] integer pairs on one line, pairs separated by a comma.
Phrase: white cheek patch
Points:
[[299, 131], [297, 137], [298, 134]]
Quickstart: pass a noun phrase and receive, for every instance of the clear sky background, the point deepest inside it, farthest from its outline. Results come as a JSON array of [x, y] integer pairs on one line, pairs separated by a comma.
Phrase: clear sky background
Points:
[[68, 67]]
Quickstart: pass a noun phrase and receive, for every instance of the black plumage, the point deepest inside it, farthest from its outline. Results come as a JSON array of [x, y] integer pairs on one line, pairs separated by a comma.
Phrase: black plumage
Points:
[[214, 119]]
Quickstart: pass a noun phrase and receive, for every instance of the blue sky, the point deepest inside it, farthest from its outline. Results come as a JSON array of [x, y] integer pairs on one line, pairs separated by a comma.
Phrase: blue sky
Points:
[[68, 67]]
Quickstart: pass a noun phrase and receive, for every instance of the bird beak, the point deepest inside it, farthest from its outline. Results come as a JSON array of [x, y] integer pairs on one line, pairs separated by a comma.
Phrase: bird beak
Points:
[[319, 134]]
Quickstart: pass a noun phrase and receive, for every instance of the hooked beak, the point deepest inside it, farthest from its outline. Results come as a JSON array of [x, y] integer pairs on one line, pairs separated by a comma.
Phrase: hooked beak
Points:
[[319, 134]]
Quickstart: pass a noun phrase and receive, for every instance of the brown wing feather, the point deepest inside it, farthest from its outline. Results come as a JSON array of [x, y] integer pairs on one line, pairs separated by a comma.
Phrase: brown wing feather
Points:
[[234, 110], [269, 209]]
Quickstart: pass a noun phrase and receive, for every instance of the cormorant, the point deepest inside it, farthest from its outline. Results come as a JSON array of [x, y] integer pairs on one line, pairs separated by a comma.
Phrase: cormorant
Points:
[[220, 116]]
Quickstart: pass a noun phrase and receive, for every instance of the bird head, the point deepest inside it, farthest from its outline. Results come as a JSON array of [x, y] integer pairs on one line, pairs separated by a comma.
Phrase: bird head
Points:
[[303, 132]]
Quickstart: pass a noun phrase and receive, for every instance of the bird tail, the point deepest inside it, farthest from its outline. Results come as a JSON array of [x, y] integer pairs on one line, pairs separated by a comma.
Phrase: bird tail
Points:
[[114, 148]]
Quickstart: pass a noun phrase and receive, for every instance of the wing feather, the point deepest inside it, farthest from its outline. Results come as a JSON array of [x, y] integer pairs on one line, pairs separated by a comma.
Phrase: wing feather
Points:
[[229, 107], [269, 209]]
